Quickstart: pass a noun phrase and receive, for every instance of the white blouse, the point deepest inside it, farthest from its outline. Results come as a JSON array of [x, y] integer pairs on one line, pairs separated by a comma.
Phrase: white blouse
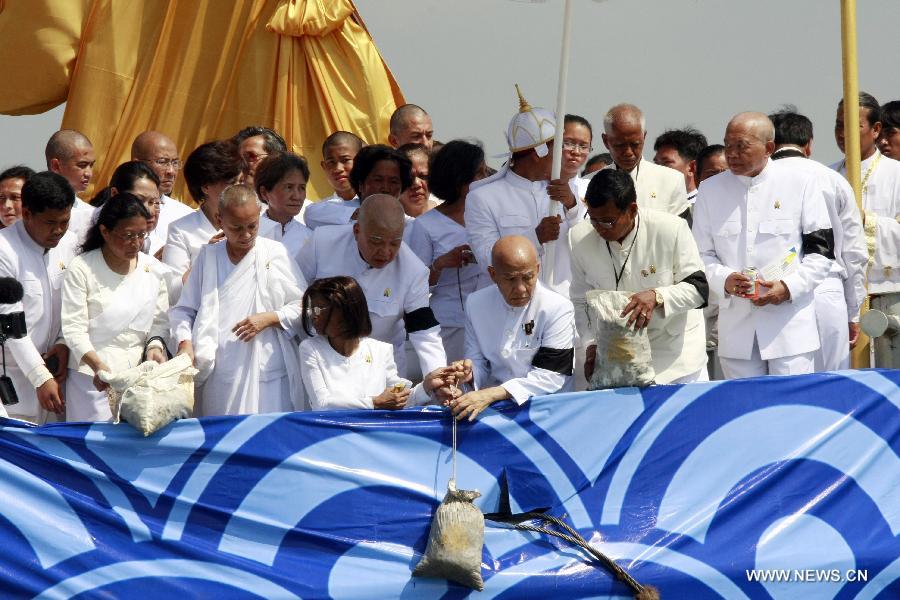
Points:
[[112, 314], [433, 235], [334, 381]]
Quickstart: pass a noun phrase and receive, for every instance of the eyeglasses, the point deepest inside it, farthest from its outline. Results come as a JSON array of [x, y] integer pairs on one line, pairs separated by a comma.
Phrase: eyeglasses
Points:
[[605, 223], [131, 236], [153, 204], [253, 158], [314, 311], [11, 198], [572, 146], [175, 163]]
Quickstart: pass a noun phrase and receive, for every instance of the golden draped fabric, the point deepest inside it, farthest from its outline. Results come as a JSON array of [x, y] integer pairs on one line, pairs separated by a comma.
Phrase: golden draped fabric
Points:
[[196, 70]]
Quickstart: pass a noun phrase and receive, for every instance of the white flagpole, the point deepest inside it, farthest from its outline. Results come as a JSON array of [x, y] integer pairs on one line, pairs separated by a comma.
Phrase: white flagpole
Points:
[[556, 169]]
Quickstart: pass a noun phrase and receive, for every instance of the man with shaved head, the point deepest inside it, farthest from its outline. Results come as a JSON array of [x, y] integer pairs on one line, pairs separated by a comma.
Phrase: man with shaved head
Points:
[[410, 124], [239, 314], [71, 154], [768, 216], [394, 280], [159, 152], [658, 187], [520, 335]]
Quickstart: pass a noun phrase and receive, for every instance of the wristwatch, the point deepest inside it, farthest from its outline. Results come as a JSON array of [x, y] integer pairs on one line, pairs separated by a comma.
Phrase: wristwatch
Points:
[[659, 298]]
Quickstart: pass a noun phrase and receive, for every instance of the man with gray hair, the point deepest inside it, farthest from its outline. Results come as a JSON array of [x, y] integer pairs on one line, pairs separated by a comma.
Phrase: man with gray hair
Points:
[[766, 238], [254, 143], [410, 124], [239, 317], [394, 280], [658, 187], [71, 154]]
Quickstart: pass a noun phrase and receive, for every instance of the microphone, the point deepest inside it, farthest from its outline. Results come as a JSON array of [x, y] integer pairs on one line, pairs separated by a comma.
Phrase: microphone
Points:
[[10, 290]]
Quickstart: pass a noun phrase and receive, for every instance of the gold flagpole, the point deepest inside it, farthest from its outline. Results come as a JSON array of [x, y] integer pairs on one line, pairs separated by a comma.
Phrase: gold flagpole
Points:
[[860, 355]]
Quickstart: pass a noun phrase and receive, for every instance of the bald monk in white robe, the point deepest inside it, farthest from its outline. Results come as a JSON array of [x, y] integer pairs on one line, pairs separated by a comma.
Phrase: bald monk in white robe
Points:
[[239, 317]]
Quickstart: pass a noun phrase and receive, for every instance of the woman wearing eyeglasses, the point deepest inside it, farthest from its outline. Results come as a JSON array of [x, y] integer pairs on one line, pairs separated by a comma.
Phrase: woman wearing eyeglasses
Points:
[[342, 367], [114, 306]]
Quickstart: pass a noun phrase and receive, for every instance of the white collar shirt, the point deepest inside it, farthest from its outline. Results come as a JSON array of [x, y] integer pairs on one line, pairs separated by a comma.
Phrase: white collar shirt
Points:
[[293, 234], [186, 237]]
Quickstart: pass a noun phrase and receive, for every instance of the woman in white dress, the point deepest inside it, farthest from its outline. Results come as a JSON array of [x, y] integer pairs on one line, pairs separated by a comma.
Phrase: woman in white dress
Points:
[[342, 367], [439, 239], [114, 304], [280, 182]]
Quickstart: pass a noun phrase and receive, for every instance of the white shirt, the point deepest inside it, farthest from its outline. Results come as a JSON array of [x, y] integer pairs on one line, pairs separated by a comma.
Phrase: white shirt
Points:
[[41, 275], [433, 235], [294, 234], [111, 314], [334, 381], [659, 253], [851, 256], [512, 205], [392, 292], [333, 210], [741, 222], [503, 342], [881, 203], [658, 187], [187, 236], [81, 219], [170, 210]]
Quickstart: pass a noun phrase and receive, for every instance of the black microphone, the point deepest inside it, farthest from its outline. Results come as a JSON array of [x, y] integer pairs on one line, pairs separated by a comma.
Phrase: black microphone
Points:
[[10, 290]]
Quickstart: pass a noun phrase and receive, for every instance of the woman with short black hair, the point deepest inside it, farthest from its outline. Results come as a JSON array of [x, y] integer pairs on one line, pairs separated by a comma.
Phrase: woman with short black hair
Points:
[[344, 368], [114, 306], [280, 182]]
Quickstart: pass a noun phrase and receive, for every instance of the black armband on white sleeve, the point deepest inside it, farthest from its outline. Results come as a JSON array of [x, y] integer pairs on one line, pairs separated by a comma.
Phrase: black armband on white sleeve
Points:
[[819, 242], [554, 359], [698, 280], [420, 320]]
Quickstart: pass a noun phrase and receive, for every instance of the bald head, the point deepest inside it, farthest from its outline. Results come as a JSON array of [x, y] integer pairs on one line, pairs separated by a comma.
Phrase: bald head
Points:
[[410, 124], [755, 123], [749, 141], [159, 153], [514, 268], [71, 154], [381, 211], [624, 115]]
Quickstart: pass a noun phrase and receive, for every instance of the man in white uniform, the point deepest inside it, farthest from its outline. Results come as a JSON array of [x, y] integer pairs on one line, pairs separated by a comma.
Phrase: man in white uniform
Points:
[[410, 124], [159, 153], [71, 154], [338, 154], [650, 253], [208, 170], [36, 250], [658, 187], [880, 183], [239, 317], [761, 214], [520, 336], [394, 280], [843, 291], [521, 199]]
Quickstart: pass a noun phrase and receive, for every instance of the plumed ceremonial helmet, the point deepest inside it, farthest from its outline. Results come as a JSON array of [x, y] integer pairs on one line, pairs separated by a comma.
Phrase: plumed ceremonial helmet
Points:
[[530, 128]]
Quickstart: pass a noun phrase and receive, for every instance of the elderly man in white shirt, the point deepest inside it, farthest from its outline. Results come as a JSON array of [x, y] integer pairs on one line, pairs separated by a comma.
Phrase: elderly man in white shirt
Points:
[[763, 214], [653, 254], [520, 336], [840, 297], [209, 169], [394, 280], [239, 317], [160, 153], [658, 187], [36, 251], [522, 200]]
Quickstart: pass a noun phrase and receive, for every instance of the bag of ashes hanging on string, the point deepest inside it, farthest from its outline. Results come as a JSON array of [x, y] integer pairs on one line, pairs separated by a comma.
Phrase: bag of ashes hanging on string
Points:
[[623, 352], [455, 541]]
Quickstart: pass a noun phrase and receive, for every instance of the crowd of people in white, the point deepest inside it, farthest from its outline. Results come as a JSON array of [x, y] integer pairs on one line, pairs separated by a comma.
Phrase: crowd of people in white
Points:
[[428, 277]]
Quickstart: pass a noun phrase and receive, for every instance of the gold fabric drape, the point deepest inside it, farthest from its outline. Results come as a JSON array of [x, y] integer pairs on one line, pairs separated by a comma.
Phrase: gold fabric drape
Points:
[[196, 70]]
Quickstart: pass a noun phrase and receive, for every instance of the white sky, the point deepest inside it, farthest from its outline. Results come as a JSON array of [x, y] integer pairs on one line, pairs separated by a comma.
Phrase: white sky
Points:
[[682, 61]]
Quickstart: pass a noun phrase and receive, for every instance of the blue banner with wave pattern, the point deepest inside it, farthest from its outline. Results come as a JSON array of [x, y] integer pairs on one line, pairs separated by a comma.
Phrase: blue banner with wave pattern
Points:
[[782, 488]]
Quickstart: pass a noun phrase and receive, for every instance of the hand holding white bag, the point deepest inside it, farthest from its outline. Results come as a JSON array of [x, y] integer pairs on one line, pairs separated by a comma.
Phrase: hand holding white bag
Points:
[[623, 353], [152, 395]]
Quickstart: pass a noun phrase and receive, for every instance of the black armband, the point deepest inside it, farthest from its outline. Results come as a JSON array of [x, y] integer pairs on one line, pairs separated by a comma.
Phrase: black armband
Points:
[[819, 242], [554, 359], [698, 280], [419, 320], [688, 215]]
